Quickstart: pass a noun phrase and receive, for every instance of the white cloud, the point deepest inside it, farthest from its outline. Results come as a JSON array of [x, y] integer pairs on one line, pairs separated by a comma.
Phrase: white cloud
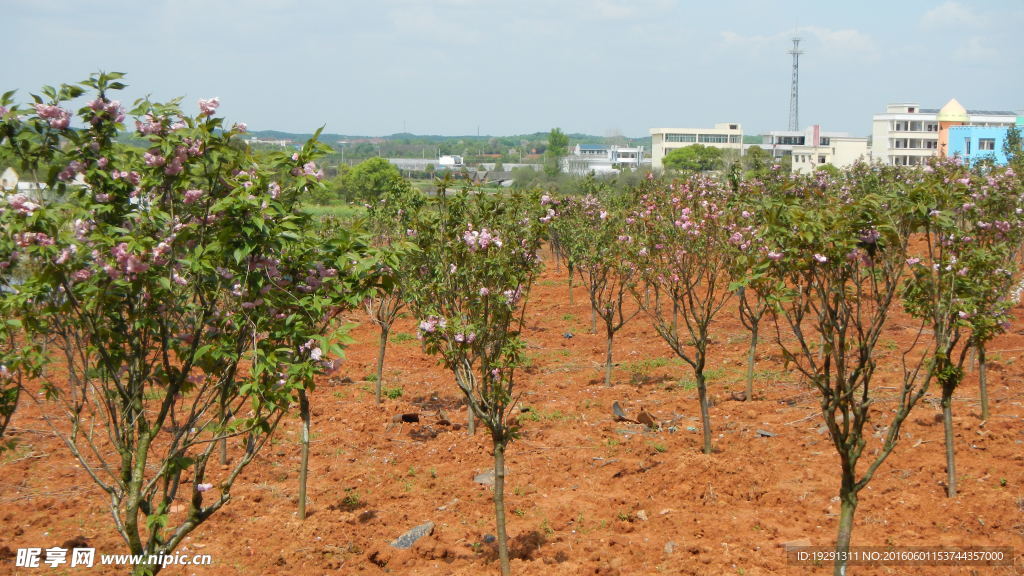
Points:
[[841, 42], [954, 15]]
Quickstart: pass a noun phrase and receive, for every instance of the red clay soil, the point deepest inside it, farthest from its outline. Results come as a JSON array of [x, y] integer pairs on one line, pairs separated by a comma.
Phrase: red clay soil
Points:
[[585, 494]]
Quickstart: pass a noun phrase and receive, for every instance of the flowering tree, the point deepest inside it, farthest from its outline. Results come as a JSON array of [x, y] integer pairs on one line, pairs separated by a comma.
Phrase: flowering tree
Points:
[[592, 236], [182, 290], [836, 251], [477, 261], [391, 220], [972, 224], [686, 240]]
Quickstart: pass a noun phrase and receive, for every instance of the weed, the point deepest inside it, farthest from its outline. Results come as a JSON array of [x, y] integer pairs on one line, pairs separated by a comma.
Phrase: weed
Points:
[[519, 512], [533, 415], [400, 337], [371, 377], [393, 393], [545, 528], [659, 447], [569, 317], [1002, 482], [351, 500], [624, 516]]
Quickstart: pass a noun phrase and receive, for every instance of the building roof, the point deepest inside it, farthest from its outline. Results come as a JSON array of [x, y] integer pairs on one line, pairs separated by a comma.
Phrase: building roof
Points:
[[953, 111]]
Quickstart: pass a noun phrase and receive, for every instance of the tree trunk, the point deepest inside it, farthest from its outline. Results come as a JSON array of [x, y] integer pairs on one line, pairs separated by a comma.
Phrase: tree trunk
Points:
[[608, 360], [499, 506], [223, 441], [947, 424], [675, 317], [471, 421], [848, 505], [304, 462], [983, 381], [751, 360], [705, 416], [593, 319], [384, 331], [569, 267]]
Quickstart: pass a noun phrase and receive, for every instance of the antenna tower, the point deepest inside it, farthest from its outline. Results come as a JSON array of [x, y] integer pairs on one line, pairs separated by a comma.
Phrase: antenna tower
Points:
[[794, 91]]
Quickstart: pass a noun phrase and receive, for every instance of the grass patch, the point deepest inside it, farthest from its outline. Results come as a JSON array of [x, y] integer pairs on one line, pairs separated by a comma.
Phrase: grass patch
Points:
[[400, 337], [532, 415]]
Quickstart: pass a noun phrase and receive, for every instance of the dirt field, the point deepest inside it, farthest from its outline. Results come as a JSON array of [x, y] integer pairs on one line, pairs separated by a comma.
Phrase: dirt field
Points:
[[585, 494]]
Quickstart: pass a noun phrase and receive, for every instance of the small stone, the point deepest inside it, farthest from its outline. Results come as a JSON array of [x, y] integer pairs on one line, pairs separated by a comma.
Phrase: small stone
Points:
[[489, 539], [670, 547], [485, 478], [647, 419], [691, 428], [567, 335], [405, 541], [641, 515], [618, 414], [765, 433]]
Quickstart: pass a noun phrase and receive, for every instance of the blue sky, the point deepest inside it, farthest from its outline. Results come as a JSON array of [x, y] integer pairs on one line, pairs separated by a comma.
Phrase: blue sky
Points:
[[457, 67]]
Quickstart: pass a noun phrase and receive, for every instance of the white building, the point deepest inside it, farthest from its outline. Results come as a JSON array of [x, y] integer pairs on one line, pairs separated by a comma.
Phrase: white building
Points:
[[839, 151], [779, 143], [727, 136], [600, 159], [906, 134]]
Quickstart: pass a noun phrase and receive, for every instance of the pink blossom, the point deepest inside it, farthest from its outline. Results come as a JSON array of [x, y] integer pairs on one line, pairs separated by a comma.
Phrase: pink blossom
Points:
[[192, 195], [204, 487], [173, 167], [820, 258], [310, 169], [153, 158], [57, 116], [80, 275], [208, 107], [912, 261], [21, 204], [242, 127], [274, 189], [431, 324]]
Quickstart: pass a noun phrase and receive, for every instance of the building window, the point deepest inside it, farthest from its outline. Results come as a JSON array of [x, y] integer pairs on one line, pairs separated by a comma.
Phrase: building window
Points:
[[713, 138], [680, 138], [986, 144], [931, 127], [821, 159], [931, 144], [967, 146]]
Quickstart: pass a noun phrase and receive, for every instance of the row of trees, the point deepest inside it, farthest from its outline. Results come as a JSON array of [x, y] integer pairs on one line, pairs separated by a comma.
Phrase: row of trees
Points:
[[175, 300], [828, 258]]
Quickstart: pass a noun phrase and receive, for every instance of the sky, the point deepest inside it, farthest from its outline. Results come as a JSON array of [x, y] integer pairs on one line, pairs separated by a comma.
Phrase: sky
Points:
[[505, 67]]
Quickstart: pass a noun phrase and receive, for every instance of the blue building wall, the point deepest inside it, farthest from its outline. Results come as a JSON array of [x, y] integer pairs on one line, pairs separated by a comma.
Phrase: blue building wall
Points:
[[967, 141]]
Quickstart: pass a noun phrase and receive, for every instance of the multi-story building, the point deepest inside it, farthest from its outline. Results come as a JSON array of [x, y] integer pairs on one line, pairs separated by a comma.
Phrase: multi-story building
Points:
[[728, 136], [838, 151], [601, 159], [779, 143], [974, 143], [906, 134]]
